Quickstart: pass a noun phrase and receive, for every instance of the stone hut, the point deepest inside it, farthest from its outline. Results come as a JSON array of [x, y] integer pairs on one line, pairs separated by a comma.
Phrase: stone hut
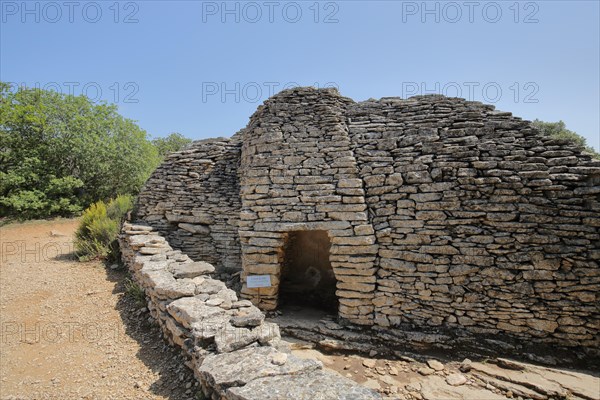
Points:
[[422, 212]]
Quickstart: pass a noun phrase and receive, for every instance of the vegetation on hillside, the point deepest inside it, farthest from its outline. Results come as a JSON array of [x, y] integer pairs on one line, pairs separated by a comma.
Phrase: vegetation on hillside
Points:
[[173, 142], [559, 130], [61, 153]]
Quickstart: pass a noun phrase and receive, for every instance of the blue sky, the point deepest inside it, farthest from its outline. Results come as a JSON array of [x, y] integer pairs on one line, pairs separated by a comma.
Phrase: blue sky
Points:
[[202, 67]]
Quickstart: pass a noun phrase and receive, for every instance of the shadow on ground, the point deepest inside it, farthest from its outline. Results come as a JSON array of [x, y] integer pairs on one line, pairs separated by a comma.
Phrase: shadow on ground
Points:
[[154, 352]]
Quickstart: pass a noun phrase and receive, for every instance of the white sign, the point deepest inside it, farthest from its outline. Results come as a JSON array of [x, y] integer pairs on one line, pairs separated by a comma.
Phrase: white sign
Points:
[[258, 281]]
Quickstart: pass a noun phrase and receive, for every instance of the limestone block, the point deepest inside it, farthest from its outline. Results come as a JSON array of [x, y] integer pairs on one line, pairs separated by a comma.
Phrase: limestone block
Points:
[[350, 250], [190, 310], [247, 317], [354, 240], [446, 250], [364, 230], [266, 333], [347, 216], [350, 183], [199, 218], [191, 270], [196, 229], [358, 287], [348, 294], [240, 367], [356, 278], [417, 177], [229, 338], [209, 286], [150, 250], [393, 264]]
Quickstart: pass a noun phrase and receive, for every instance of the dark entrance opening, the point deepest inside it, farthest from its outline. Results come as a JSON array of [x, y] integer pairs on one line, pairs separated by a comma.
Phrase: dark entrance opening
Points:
[[307, 278]]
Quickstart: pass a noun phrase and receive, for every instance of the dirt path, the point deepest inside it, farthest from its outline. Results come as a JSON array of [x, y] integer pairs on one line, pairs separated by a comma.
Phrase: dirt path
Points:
[[68, 329]]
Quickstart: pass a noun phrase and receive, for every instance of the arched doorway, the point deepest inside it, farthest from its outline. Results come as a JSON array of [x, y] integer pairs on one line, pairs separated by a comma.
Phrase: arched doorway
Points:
[[307, 278]]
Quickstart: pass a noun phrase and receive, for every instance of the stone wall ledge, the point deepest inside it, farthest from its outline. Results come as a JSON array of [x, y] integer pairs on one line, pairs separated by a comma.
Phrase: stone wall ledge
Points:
[[407, 342], [233, 352]]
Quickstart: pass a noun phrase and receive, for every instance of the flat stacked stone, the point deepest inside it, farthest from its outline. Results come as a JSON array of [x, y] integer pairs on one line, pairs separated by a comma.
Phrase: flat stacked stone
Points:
[[227, 342], [482, 223], [441, 212], [298, 172], [193, 199]]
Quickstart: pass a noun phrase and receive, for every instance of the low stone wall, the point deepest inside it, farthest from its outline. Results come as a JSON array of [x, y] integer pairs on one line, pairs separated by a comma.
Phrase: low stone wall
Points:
[[234, 353]]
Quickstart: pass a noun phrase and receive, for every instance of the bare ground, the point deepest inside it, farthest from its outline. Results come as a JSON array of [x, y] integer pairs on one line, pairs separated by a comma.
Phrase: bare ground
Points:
[[70, 331]]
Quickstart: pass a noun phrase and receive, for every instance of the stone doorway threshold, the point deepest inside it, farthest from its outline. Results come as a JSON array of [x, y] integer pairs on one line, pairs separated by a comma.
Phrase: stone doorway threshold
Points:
[[353, 352]]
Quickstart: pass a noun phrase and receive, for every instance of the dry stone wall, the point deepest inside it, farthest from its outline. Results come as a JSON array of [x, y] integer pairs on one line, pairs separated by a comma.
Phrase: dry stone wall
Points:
[[234, 353], [298, 173], [441, 213], [193, 200], [482, 223]]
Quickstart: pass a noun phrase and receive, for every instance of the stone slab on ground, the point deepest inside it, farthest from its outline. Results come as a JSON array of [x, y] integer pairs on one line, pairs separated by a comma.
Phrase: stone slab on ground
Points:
[[434, 387], [525, 378], [314, 385], [546, 382], [579, 384], [516, 389], [240, 367]]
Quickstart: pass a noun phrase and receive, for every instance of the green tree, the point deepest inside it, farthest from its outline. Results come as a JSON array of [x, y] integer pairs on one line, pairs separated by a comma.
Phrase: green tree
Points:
[[559, 130], [174, 142], [60, 153]]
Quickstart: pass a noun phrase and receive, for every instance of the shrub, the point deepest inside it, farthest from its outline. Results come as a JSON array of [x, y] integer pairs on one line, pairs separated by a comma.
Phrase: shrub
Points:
[[559, 130], [93, 237], [135, 291], [25, 204], [96, 236], [119, 207], [174, 142]]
